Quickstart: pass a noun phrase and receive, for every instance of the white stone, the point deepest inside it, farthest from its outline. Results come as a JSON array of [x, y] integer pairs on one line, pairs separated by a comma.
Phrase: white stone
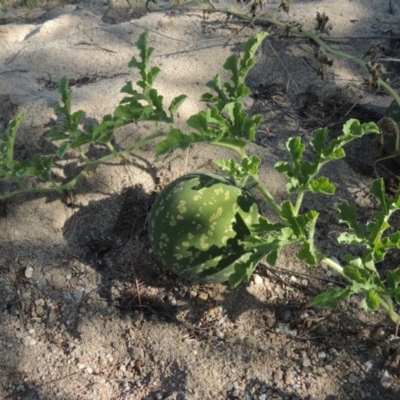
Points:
[[29, 272]]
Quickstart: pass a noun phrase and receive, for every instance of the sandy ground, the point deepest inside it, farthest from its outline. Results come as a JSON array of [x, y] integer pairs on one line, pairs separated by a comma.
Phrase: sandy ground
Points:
[[86, 309]]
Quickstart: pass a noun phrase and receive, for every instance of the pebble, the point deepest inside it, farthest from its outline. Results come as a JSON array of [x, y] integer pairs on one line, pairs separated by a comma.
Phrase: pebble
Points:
[[264, 388], [21, 388], [262, 397], [29, 272], [353, 379], [52, 318], [78, 296], [59, 281], [377, 333], [270, 320], [201, 298], [257, 279], [306, 362], [39, 310], [288, 378], [219, 334], [136, 353], [228, 386], [385, 380], [278, 376], [321, 355]]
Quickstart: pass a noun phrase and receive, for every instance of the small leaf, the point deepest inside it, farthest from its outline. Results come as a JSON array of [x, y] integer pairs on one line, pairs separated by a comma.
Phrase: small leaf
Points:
[[176, 139], [332, 298], [393, 278], [175, 104], [322, 185], [371, 301], [378, 190], [347, 214]]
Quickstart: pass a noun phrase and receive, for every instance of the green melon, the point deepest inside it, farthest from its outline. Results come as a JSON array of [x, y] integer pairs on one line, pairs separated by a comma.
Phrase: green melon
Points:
[[196, 225]]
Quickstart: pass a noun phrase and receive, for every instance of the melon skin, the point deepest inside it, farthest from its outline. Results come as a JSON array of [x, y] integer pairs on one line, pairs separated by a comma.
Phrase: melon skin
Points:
[[196, 225]]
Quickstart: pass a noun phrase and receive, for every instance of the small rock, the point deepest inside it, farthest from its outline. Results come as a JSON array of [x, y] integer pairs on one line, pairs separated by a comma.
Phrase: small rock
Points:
[[59, 281], [288, 378], [352, 378], [78, 296], [52, 317], [262, 397], [306, 362], [39, 310], [20, 388], [377, 333], [219, 334], [368, 365], [347, 387], [264, 388], [29, 272], [278, 376], [201, 298], [257, 279], [321, 355], [385, 380], [270, 320], [136, 353], [228, 386]]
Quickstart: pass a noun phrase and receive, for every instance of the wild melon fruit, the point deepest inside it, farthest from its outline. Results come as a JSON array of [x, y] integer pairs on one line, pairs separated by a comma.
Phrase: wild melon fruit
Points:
[[197, 223]]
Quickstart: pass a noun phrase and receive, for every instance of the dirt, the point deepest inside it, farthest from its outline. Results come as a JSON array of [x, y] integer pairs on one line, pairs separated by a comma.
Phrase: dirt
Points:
[[87, 311]]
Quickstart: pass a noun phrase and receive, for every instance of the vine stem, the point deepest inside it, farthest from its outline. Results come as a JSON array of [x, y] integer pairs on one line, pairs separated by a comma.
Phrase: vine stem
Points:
[[90, 165], [385, 301], [267, 195]]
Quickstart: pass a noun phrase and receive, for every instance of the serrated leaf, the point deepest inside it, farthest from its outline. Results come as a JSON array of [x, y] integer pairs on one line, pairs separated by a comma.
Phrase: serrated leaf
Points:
[[322, 185], [63, 149], [378, 190], [318, 143], [347, 215], [295, 148], [243, 269], [175, 104], [176, 139], [350, 238], [332, 298], [393, 278], [284, 168], [371, 300], [8, 139], [307, 253], [296, 223]]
